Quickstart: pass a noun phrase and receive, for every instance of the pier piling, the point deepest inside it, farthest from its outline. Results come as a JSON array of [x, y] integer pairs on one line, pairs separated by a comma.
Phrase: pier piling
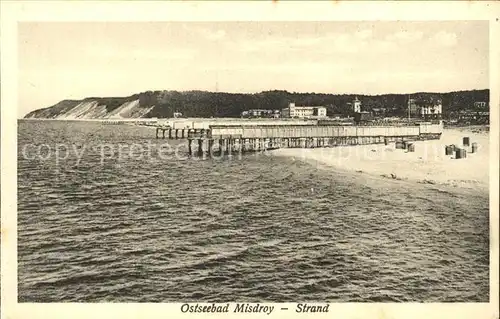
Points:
[[200, 147]]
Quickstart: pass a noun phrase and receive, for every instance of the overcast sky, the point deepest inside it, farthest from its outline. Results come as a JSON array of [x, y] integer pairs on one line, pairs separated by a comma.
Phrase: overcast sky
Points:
[[76, 60]]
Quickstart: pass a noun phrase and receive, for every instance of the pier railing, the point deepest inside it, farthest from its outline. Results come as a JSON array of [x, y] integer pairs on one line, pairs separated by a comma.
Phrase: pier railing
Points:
[[230, 138], [305, 131]]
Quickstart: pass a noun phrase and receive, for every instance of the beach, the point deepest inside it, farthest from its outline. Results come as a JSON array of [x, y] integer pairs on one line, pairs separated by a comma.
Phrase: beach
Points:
[[428, 164]]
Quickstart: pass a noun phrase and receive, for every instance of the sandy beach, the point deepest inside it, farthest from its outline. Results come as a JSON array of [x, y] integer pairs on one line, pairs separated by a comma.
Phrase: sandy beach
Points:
[[428, 164]]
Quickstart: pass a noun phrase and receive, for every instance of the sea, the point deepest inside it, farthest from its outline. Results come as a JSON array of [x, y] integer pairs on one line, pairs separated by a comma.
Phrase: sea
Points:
[[109, 213]]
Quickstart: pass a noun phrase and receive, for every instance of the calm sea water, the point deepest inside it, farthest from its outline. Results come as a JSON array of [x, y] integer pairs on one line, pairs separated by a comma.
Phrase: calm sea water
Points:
[[258, 229]]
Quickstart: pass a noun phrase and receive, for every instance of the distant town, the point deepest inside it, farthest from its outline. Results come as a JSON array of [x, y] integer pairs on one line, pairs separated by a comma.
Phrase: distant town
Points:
[[423, 109]]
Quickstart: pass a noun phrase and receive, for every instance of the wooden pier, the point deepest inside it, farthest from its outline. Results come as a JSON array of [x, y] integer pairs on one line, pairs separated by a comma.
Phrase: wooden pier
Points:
[[181, 129], [231, 139], [171, 133]]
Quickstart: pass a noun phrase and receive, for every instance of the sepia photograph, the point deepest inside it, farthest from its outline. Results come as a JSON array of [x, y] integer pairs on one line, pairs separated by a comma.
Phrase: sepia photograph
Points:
[[233, 166]]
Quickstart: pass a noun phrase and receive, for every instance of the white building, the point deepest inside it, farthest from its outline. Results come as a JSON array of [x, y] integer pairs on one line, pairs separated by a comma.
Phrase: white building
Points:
[[295, 111], [431, 110], [355, 105], [261, 113], [480, 104]]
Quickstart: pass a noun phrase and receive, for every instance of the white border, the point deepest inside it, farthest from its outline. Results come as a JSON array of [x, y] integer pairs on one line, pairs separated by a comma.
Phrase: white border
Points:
[[12, 12]]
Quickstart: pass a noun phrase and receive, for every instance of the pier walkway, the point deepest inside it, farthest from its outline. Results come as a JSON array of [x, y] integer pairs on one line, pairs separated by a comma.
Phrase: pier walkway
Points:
[[233, 138], [179, 129]]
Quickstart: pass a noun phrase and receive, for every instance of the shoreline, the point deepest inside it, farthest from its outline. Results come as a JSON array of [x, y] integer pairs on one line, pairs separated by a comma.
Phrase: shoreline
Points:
[[427, 165]]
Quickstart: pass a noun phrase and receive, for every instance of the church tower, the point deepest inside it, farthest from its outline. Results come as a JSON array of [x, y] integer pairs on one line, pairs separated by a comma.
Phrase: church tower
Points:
[[356, 105]]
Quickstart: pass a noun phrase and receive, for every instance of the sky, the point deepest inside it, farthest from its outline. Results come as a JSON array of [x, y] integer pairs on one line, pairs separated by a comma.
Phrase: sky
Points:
[[74, 60]]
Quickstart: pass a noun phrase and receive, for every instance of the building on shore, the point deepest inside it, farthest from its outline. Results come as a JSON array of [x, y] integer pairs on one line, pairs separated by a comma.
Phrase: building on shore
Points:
[[379, 111], [356, 110], [431, 110], [261, 113], [361, 117], [294, 111], [480, 105], [355, 106], [425, 108], [472, 117]]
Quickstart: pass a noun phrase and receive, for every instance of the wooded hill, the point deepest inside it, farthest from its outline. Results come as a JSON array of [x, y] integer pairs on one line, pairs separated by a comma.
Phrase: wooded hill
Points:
[[218, 104]]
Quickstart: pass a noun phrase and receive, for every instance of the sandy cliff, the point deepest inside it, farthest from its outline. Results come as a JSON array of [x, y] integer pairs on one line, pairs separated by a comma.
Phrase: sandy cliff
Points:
[[92, 109]]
